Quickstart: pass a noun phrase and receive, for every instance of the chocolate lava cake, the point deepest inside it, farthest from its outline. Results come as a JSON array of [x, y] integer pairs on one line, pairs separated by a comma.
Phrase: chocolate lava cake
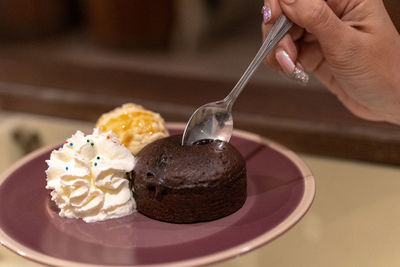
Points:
[[186, 184]]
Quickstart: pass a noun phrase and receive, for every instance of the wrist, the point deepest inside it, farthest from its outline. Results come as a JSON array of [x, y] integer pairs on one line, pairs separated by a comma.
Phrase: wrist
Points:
[[395, 70], [393, 78]]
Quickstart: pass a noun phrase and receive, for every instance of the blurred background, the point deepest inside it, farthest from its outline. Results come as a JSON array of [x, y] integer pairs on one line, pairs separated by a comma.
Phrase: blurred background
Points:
[[65, 62], [75, 59]]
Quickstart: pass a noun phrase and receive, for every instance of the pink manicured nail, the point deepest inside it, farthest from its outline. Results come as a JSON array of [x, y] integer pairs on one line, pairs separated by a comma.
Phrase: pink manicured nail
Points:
[[294, 71], [300, 76], [266, 12], [285, 61]]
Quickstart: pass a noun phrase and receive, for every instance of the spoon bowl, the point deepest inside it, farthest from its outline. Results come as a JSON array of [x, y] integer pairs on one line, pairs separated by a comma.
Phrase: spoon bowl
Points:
[[214, 120], [210, 121]]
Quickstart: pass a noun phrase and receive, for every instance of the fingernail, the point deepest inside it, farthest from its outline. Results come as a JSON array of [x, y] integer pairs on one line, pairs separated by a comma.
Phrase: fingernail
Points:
[[266, 12], [294, 71], [300, 76], [285, 61]]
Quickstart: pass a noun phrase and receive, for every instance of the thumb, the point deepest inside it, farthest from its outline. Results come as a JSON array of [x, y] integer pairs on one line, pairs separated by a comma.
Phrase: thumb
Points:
[[318, 19]]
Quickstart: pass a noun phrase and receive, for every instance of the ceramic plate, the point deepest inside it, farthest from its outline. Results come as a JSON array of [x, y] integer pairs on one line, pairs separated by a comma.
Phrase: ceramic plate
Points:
[[280, 191]]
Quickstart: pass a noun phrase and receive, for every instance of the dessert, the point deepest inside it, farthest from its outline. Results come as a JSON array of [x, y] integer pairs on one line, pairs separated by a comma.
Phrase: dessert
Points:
[[87, 176], [134, 126], [185, 184]]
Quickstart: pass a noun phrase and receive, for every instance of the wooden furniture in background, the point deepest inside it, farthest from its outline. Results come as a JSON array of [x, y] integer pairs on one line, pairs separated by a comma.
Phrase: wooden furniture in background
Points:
[[129, 23], [310, 121], [28, 19], [393, 7]]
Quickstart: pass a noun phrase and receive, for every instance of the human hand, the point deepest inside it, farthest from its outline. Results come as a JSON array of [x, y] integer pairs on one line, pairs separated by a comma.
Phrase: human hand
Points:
[[351, 46]]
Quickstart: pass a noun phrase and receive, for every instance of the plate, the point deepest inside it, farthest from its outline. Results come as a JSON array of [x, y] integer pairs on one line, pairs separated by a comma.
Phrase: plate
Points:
[[280, 190]]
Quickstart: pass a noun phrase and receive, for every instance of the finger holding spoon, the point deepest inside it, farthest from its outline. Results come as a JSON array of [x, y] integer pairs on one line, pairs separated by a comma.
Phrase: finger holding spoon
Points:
[[284, 56]]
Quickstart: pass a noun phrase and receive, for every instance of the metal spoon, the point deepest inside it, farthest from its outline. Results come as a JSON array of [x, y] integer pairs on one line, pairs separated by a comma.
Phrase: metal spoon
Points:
[[214, 120]]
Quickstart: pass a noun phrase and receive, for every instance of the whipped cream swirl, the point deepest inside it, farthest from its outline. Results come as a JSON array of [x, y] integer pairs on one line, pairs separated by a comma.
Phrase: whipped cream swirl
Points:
[[87, 176]]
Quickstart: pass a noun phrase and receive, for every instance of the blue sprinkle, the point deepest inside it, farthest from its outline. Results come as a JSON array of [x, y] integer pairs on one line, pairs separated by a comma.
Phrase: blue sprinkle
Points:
[[66, 168], [95, 164], [62, 146], [70, 144], [47, 167]]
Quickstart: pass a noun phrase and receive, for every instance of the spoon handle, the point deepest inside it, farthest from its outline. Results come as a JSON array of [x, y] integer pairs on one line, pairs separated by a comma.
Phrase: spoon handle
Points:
[[280, 28]]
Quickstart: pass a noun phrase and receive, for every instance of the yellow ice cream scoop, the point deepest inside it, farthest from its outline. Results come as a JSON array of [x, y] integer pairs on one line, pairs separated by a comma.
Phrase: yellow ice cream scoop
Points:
[[134, 126]]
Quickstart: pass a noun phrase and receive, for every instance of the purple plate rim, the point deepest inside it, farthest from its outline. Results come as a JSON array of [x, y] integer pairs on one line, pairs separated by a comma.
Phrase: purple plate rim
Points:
[[301, 209]]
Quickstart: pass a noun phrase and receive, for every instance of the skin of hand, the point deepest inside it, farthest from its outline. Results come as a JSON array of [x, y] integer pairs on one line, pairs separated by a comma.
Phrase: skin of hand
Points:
[[351, 46]]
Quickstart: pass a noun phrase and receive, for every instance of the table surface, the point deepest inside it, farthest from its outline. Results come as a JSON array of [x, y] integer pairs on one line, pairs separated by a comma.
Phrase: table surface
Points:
[[352, 222]]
